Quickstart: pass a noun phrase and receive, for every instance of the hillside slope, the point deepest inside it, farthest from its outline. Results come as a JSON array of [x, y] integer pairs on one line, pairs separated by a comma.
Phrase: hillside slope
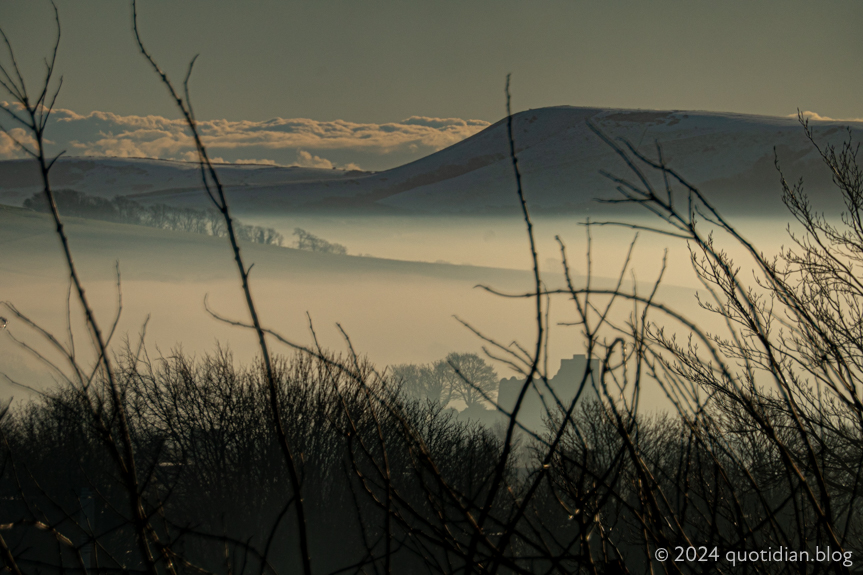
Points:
[[729, 156]]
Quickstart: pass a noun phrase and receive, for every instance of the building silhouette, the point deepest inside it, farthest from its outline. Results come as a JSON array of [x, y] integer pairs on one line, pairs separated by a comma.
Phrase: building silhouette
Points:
[[539, 400]]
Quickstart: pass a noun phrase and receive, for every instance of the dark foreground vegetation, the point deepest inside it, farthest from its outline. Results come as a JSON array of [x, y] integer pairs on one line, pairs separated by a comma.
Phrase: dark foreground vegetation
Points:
[[319, 464], [388, 480]]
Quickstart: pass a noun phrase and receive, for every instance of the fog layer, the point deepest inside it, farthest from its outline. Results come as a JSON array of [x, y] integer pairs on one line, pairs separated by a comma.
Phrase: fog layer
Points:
[[394, 310]]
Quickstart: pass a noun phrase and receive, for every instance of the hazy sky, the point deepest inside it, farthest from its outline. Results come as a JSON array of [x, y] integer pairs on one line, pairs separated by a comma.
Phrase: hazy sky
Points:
[[383, 62]]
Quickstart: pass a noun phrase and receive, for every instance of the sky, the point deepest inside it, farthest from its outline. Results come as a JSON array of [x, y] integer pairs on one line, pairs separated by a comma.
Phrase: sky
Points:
[[373, 84]]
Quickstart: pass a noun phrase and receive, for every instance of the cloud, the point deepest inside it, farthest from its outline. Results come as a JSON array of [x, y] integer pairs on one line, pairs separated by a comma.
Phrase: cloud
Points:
[[9, 150], [278, 140], [307, 160], [819, 118], [456, 123]]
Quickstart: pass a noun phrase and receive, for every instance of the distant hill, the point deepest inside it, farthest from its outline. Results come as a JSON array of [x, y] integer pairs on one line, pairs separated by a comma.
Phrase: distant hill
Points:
[[728, 156], [109, 177]]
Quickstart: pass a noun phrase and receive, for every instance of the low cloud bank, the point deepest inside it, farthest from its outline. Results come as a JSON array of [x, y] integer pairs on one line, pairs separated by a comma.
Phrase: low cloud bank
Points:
[[291, 141], [819, 118]]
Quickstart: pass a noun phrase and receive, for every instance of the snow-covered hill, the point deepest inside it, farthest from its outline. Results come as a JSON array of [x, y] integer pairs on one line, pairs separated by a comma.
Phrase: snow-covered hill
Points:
[[729, 156]]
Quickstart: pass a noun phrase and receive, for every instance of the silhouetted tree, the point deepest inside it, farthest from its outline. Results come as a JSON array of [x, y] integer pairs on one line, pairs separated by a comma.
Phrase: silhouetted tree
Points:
[[127, 211], [311, 242], [429, 381], [475, 380]]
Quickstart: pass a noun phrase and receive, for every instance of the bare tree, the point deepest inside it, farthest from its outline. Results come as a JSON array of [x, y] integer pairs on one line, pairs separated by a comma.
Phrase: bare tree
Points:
[[464, 376], [106, 405], [311, 242], [475, 380], [215, 191]]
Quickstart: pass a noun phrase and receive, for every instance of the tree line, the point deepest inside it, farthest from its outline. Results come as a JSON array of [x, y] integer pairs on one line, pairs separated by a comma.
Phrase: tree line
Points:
[[126, 211], [311, 242], [459, 376], [123, 210]]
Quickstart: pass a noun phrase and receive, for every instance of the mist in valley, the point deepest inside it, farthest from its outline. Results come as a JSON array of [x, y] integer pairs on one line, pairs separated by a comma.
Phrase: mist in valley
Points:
[[397, 292]]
